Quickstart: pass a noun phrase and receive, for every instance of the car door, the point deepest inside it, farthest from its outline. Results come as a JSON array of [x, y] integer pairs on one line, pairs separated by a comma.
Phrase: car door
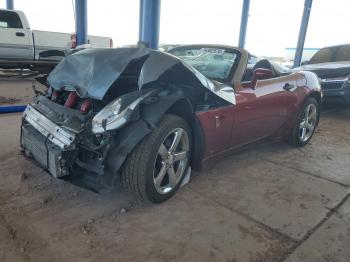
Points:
[[261, 111], [16, 39]]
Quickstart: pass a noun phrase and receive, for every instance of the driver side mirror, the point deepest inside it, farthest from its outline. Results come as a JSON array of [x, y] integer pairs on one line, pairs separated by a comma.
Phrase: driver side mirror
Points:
[[260, 74]]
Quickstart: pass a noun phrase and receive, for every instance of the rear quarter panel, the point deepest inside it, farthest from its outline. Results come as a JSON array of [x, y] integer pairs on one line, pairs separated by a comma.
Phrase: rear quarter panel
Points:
[[45, 40], [307, 84]]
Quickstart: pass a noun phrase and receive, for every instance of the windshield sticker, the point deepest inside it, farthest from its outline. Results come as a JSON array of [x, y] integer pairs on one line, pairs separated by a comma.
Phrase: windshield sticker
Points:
[[210, 50]]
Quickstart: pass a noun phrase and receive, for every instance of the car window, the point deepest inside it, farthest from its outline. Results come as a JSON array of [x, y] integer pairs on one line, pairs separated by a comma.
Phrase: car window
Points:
[[323, 55], [343, 53], [3, 24], [10, 20], [212, 62]]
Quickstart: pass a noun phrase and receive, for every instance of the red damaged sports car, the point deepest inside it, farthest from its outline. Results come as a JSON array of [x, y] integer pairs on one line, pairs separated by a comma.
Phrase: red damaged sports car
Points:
[[147, 117]]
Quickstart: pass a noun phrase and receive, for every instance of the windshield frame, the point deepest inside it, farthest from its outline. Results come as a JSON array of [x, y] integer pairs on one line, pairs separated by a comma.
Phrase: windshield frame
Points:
[[228, 79]]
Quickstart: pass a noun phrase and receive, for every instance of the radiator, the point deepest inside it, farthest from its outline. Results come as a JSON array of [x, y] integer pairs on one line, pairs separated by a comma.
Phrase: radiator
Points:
[[47, 154]]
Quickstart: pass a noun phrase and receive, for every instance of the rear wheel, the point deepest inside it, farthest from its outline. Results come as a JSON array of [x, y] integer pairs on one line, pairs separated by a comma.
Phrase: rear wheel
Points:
[[156, 167], [306, 123]]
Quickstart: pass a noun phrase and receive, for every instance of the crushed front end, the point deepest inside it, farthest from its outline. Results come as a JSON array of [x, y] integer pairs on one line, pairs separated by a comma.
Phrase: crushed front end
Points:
[[101, 103], [48, 143], [58, 129], [59, 138]]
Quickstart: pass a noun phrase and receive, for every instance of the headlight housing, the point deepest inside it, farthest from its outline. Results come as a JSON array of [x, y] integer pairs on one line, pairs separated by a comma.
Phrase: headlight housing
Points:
[[109, 115], [112, 116]]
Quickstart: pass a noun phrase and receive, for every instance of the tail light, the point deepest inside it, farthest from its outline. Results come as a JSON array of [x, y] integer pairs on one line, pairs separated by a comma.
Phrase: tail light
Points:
[[71, 100], [73, 38], [85, 106]]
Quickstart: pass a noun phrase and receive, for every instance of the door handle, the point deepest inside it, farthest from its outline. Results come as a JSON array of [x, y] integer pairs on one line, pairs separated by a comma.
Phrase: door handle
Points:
[[20, 34], [288, 87]]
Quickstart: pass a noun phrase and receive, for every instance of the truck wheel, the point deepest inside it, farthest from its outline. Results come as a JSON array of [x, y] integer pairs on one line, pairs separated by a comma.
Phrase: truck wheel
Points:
[[306, 123], [156, 167]]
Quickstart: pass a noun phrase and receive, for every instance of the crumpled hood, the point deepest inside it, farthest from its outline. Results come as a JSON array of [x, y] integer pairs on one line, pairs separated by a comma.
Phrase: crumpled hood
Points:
[[91, 72]]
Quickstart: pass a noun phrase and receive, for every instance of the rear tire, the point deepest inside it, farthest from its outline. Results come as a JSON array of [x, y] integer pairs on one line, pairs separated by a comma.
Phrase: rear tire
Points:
[[156, 167], [306, 123]]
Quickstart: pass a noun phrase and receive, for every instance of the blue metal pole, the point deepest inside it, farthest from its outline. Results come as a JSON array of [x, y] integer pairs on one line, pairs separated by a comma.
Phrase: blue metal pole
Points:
[[81, 21], [12, 109], [302, 33], [9, 4], [244, 23], [149, 22]]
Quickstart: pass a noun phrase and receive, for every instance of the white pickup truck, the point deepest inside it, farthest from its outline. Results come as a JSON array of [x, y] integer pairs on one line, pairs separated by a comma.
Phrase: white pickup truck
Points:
[[19, 42]]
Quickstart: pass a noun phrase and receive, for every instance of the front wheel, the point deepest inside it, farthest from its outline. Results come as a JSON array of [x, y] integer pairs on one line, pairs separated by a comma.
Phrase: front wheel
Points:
[[156, 167], [306, 123]]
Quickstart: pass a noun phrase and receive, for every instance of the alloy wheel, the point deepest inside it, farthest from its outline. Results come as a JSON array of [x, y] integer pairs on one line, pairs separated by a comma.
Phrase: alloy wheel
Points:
[[308, 122], [171, 160]]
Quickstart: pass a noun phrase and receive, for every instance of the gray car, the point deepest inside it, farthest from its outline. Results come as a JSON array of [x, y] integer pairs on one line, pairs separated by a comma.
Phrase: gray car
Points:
[[332, 66]]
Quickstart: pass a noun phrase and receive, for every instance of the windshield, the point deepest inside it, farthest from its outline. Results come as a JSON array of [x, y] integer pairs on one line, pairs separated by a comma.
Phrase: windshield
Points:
[[212, 62], [331, 54]]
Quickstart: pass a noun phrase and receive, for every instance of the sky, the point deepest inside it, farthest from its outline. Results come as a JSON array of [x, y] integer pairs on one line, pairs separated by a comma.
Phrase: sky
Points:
[[273, 25]]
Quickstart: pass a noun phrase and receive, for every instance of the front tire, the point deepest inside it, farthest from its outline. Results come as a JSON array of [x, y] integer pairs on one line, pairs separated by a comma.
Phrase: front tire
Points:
[[156, 167], [306, 123]]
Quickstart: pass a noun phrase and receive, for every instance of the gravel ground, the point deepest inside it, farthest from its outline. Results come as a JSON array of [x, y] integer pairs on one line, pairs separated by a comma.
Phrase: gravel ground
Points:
[[17, 91], [270, 203]]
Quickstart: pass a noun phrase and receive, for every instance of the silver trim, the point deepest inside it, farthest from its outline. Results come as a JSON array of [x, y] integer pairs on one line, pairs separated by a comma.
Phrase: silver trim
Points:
[[57, 135], [16, 46], [335, 80]]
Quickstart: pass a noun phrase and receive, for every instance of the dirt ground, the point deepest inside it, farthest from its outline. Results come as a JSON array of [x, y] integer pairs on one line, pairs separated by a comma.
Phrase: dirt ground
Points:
[[270, 203]]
